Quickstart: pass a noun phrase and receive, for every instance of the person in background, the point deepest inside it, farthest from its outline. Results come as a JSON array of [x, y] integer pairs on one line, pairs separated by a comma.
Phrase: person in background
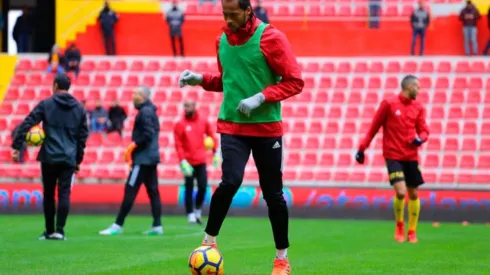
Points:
[[56, 60], [374, 13], [73, 58], [22, 31], [88, 113], [260, 12], [2, 22], [419, 19], [23, 148], [469, 16], [99, 118], [485, 51], [107, 19], [189, 133], [117, 115], [175, 19]]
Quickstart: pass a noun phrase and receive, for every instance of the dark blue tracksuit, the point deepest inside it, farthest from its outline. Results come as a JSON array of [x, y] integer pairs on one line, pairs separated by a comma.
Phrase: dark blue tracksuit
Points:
[[64, 122], [145, 158]]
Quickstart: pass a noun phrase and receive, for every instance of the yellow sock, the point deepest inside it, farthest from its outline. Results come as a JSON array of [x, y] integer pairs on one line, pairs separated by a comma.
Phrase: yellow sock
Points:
[[399, 208], [413, 214]]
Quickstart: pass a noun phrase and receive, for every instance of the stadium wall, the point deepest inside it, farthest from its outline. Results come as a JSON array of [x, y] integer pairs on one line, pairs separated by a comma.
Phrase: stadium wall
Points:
[[338, 38], [314, 202]]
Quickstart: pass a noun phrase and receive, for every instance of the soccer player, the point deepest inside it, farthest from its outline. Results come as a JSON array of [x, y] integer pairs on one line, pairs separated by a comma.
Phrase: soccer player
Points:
[[257, 70], [142, 155], [405, 129], [65, 125], [189, 133]]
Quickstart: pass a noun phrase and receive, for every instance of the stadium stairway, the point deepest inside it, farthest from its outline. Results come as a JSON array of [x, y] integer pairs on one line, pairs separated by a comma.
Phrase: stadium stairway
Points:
[[323, 124]]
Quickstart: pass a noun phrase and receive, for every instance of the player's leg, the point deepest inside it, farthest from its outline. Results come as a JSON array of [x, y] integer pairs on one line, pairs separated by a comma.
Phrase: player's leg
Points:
[[414, 179], [268, 157], [397, 180], [151, 184], [131, 189], [65, 181], [188, 199], [200, 172], [49, 177], [235, 151]]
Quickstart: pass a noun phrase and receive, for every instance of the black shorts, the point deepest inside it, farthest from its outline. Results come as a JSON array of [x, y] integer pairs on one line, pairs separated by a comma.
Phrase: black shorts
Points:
[[407, 171]]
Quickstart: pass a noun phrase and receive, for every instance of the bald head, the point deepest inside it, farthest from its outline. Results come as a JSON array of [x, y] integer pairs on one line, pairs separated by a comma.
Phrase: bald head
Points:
[[189, 107], [410, 86], [141, 94]]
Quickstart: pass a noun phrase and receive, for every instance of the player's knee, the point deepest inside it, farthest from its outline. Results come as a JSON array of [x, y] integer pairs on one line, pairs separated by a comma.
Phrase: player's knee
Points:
[[275, 199], [400, 194], [227, 188], [412, 194]]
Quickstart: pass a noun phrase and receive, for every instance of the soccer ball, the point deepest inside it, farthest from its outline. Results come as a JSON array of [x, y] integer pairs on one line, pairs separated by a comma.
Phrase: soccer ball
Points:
[[206, 260], [208, 143], [35, 136]]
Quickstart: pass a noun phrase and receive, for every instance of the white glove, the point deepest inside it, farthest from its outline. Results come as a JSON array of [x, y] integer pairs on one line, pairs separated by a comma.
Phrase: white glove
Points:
[[247, 105], [189, 78]]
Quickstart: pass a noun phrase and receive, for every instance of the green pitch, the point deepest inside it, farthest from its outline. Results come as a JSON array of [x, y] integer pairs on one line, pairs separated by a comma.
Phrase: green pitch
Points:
[[318, 247]]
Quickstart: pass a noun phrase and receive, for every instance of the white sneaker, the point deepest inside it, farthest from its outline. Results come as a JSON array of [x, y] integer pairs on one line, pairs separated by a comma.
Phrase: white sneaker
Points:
[[198, 213], [191, 217], [114, 229], [154, 231], [57, 236]]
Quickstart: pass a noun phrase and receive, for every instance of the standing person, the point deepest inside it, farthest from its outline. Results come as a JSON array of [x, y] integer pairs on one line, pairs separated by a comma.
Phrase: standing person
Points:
[[22, 31], [487, 47], [61, 153], [469, 16], [175, 19], [254, 77], [189, 134], [107, 19], [261, 12], [117, 116], [419, 19], [405, 129], [143, 157]]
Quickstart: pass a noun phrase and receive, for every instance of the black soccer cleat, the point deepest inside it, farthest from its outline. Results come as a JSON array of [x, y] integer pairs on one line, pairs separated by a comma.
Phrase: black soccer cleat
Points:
[[198, 221], [43, 237]]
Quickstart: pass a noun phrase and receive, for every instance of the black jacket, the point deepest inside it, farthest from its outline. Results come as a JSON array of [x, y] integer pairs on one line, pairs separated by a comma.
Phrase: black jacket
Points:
[[107, 19], [145, 134], [65, 125]]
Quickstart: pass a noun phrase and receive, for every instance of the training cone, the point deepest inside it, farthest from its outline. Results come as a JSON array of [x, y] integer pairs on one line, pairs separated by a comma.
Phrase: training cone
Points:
[[436, 224]]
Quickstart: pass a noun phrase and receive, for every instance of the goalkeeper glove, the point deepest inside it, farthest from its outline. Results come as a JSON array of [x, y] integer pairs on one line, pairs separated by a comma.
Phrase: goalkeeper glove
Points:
[[417, 141], [360, 157], [186, 168], [216, 160], [128, 154]]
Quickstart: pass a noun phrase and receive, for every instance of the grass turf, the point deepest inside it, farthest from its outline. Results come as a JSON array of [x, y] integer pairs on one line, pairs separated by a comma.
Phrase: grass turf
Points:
[[317, 247]]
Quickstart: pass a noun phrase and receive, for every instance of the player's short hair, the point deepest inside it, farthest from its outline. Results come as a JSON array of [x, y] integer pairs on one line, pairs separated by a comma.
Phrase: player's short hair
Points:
[[145, 91], [407, 80], [62, 81]]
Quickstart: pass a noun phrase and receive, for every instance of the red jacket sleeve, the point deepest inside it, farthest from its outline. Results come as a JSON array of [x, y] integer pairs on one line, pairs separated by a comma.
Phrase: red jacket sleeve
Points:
[[279, 54], [210, 133], [213, 81], [421, 125], [378, 120], [179, 146]]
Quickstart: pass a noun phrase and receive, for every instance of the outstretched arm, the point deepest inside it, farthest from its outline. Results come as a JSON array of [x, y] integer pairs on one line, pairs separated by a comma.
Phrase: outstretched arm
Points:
[[213, 81]]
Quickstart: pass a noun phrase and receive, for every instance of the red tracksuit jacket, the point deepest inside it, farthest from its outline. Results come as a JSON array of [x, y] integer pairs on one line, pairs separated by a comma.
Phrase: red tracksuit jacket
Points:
[[403, 120], [279, 55], [189, 134]]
